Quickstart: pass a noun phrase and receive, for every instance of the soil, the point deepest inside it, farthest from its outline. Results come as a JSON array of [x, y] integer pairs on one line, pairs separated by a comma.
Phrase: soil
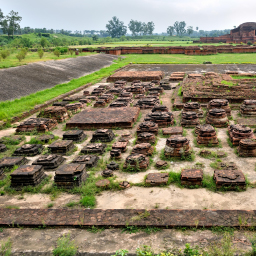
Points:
[[24, 80]]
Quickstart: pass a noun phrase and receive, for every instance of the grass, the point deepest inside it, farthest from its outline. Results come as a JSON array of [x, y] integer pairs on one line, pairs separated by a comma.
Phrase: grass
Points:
[[32, 57], [243, 77], [190, 157], [65, 247], [229, 83], [6, 248]]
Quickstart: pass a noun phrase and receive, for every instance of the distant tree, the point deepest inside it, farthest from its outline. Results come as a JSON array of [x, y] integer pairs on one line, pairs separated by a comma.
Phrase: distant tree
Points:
[[190, 30], [26, 42], [150, 27], [4, 54], [116, 28], [180, 27], [197, 28], [21, 55], [10, 23], [170, 30], [40, 53], [1, 16], [95, 37], [43, 42]]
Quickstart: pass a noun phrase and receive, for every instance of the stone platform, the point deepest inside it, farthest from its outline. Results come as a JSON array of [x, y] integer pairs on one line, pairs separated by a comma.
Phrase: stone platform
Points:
[[123, 117], [124, 217]]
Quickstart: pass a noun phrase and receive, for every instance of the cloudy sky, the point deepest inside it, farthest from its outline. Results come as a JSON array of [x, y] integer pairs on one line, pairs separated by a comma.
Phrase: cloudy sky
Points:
[[94, 14]]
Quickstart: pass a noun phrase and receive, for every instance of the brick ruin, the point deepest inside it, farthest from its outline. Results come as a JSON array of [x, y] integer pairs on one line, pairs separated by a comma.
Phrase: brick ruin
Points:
[[203, 88], [245, 33], [157, 179], [191, 177], [49, 161], [238, 132], [104, 118]]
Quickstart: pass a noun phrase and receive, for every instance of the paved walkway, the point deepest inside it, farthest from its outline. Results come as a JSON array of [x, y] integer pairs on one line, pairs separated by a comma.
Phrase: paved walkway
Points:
[[124, 217], [24, 80]]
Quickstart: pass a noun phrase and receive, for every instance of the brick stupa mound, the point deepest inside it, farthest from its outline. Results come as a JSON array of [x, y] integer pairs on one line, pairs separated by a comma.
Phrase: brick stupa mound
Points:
[[163, 119], [136, 162], [207, 135], [217, 117], [123, 117], [54, 112], [220, 103], [143, 148], [146, 137], [193, 107], [130, 76], [247, 148], [248, 108], [191, 177], [238, 132], [177, 146], [189, 119]]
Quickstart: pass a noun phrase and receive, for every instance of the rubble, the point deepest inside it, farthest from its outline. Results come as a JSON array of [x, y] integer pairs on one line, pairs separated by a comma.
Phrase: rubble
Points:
[[60, 103], [118, 104], [61, 146], [75, 135], [106, 97], [220, 103], [124, 184], [3, 148], [191, 177], [177, 146], [238, 132], [144, 148], [29, 150], [49, 161], [207, 135], [103, 135], [100, 104], [37, 124], [157, 179], [54, 112], [102, 183], [27, 175], [217, 117], [189, 119], [149, 127], [70, 175], [161, 164], [136, 162], [139, 89], [120, 83], [98, 91], [94, 148], [89, 160], [115, 91]]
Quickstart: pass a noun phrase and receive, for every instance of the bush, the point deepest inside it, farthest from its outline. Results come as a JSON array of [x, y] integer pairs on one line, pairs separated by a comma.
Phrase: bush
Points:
[[5, 54], [40, 53], [24, 51], [88, 201], [56, 52], [20, 56], [249, 43], [65, 247], [62, 50]]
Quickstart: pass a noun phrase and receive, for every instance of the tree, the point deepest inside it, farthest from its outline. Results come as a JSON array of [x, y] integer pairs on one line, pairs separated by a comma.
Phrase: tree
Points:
[[43, 42], [11, 22], [1, 16], [180, 27], [150, 27], [197, 28], [170, 30], [20, 56], [95, 37], [116, 28], [190, 30], [56, 52]]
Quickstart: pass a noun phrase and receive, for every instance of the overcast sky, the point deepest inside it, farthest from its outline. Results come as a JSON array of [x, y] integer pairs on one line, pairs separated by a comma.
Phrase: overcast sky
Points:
[[94, 14]]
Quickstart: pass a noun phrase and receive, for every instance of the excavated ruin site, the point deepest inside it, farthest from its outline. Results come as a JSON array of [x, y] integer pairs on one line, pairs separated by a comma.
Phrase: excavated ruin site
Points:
[[178, 142]]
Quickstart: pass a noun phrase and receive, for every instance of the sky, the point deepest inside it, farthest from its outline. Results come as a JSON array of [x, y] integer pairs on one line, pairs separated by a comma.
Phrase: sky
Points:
[[95, 14]]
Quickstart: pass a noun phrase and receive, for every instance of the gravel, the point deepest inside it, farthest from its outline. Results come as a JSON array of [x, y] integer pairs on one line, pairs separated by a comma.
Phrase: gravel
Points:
[[24, 80]]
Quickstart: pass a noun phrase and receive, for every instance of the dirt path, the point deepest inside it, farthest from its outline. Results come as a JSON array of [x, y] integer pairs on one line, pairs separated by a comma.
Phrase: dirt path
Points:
[[24, 80]]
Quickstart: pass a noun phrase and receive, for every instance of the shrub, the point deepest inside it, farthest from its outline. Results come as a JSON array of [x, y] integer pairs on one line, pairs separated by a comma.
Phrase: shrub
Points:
[[88, 201], [56, 52], [20, 56], [40, 53], [249, 43], [62, 50], [5, 54], [65, 247], [24, 51]]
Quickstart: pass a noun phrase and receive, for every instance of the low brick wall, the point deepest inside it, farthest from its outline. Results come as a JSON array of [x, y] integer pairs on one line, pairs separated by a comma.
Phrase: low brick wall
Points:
[[124, 217]]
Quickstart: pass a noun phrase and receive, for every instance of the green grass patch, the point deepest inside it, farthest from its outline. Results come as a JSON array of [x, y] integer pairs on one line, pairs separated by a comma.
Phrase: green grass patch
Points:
[[229, 83]]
